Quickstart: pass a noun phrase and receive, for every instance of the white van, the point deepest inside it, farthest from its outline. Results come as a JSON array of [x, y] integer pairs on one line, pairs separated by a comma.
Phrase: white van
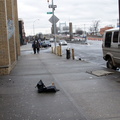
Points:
[[111, 48]]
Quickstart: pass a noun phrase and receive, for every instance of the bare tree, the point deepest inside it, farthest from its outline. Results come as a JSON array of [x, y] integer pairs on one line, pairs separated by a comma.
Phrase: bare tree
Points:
[[91, 30], [94, 28]]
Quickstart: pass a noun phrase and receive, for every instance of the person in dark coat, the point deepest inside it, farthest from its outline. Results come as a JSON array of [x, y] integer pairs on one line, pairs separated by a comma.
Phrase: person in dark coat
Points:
[[38, 46], [34, 46]]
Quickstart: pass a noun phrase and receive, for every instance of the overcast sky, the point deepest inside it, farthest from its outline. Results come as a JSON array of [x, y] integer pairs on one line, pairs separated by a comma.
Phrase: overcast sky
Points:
[[81, 13]]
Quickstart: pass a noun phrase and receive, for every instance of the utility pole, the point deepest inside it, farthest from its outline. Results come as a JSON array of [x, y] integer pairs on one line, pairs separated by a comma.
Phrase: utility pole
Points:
[[54, 26], [119, 19], [70, 31], [119, 10], [53, 21], [34, 27]]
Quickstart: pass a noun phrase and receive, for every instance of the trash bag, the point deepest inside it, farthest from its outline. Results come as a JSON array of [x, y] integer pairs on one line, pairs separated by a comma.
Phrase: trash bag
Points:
[[42, 88]]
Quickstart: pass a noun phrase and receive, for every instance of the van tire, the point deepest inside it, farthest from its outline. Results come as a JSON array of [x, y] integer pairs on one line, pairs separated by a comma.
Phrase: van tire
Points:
[[110, 64]]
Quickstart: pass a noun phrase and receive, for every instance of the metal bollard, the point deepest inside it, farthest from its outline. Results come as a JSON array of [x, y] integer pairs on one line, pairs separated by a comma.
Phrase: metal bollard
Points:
[[52, 49], [73, 55], [67, 53], [60, 50]]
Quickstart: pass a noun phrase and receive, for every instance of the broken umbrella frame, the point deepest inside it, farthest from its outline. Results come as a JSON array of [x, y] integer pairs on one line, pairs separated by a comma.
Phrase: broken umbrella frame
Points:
[[43, 89]]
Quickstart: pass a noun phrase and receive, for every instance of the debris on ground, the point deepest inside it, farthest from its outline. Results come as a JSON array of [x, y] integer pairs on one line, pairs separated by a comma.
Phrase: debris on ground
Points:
[[43, 89]]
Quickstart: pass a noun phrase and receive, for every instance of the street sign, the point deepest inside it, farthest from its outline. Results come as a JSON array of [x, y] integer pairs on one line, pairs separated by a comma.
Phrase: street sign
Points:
[[49, 12], [53, 19], [52, 6]]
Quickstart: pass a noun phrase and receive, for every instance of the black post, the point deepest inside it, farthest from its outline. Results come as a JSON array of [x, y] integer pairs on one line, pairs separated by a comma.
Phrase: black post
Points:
[[119, 19], [119, 11]]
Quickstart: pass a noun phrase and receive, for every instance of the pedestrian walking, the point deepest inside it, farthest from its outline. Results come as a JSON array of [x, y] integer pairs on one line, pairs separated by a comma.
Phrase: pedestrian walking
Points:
[[38, 46], [34, 46]]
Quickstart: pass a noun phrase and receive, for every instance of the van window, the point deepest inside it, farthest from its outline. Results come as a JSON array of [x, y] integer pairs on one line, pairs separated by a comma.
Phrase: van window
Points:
[[115, 37], [108, 37]]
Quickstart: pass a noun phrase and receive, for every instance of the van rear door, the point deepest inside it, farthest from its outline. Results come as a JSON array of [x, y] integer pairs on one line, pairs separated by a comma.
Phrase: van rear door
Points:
[[115, 39], [115, 49], [108, 37]]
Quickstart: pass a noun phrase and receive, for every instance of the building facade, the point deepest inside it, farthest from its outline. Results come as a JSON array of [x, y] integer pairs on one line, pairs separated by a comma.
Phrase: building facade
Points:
[[102, 30], [22, 32], [9, 36]]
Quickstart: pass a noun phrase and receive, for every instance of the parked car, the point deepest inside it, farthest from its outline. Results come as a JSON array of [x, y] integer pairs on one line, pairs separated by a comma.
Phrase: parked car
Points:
[[62, 42], [111, 48], [45, 43], [51, 39]]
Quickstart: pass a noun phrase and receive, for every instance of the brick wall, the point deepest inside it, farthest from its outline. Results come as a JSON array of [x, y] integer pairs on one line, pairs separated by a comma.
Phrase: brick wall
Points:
[[16, 29], [8, 39], [102, 30]]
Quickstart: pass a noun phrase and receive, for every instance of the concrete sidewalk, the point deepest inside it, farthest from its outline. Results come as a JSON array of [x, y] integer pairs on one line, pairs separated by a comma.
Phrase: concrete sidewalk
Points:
[[82, 95]]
